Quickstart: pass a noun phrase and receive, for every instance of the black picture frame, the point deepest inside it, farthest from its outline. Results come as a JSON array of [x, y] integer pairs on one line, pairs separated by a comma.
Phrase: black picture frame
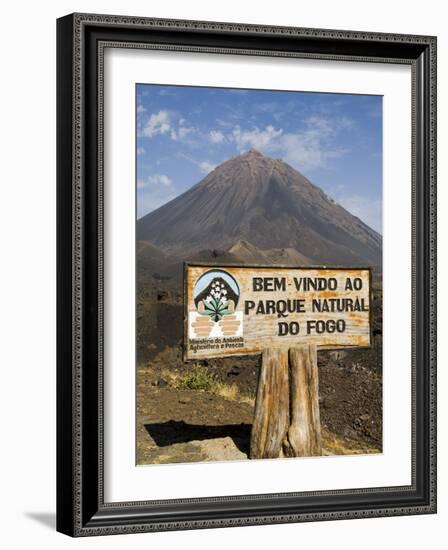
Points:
[[81, 509]]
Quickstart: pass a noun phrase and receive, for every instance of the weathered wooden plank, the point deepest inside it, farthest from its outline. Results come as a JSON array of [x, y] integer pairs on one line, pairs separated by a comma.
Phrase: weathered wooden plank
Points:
[[303, 437], [275, 307], [271, 416]]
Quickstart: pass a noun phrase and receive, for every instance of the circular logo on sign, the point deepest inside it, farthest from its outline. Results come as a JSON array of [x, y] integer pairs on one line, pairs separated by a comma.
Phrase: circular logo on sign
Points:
[[216, 294]]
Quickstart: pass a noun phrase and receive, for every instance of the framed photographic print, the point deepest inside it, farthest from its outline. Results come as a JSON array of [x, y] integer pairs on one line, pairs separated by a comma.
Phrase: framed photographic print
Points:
[[246, 274]]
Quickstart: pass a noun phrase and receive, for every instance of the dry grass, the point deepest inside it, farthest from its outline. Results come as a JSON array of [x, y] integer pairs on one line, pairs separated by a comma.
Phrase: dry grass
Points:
[[229, 392], [172, 377], [232, 393], [333, 445], [199, 379]]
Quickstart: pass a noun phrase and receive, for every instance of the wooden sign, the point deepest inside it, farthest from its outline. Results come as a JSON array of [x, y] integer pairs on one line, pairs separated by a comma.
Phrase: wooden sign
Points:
[[242, 310]]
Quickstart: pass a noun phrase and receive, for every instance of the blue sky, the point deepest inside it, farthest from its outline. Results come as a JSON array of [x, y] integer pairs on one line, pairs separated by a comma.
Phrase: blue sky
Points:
[[335, 140]]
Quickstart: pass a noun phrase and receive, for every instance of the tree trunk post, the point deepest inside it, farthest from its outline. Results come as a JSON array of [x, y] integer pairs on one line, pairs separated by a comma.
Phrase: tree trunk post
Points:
[[271, 418], [287, 418], [304, 435]]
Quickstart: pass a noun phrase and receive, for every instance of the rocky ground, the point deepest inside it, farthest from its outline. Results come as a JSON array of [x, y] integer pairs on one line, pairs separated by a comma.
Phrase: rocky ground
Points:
[[178, 424]]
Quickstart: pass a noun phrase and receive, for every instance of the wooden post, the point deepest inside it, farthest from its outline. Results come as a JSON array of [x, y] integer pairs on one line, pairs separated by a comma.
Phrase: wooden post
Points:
[[287, 419], [271, 417], [303, 437]]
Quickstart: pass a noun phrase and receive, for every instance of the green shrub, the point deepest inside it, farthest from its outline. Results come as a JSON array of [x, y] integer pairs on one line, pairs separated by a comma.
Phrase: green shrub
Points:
[[199, 378]]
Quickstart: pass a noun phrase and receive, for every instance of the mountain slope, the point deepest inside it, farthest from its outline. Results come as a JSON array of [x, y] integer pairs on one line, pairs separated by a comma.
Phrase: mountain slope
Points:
[[245, 252], [267, 203]]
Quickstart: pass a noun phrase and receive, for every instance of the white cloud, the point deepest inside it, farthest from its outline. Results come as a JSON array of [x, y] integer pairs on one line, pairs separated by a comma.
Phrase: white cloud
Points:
[[154, 180], [308, 149], [140, 150], [259, 139], [205, 166], [153, 192], [158, 123], [224, 123], [161, 179], [181, 133], [302, 150], [140, 117], [165, 122], [215, 136], [316, 144]]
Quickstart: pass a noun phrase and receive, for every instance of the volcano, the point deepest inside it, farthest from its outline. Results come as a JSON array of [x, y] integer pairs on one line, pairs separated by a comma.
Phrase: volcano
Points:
[[266, 203]]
